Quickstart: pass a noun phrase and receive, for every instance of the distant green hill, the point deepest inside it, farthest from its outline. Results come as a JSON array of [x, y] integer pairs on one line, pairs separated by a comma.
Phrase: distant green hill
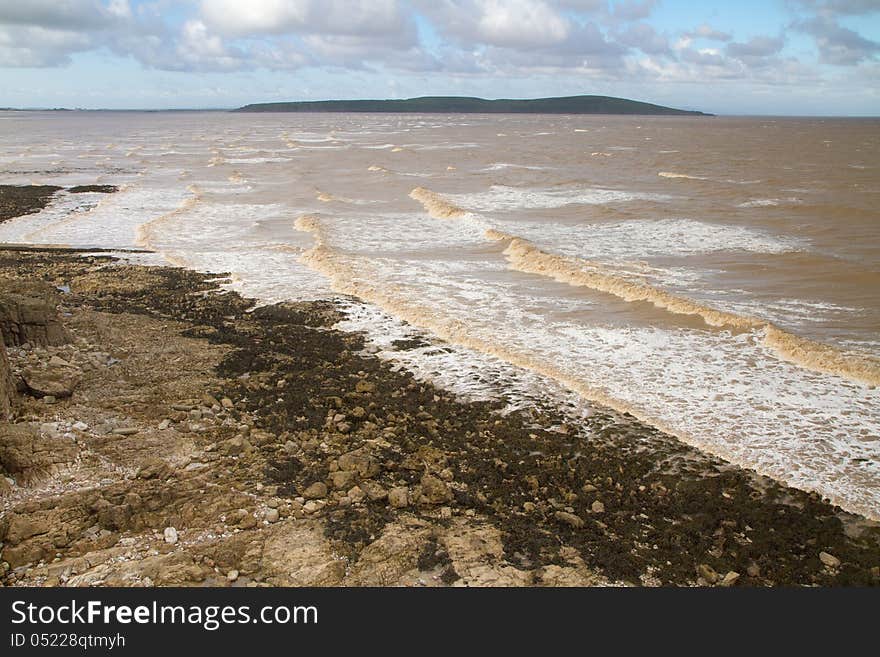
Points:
[[464, 105]]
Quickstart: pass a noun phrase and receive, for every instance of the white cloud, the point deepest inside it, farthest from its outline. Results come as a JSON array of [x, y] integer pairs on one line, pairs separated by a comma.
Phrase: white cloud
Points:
[[344, 17], [520, 23]]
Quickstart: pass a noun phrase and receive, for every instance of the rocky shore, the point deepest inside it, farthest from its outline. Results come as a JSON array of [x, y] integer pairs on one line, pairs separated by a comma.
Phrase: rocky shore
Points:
[[161, 431]]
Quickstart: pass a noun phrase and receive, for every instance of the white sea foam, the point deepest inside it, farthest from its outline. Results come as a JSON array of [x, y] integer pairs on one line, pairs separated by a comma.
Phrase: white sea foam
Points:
[[503, 198], [631, 240], [769, 202]]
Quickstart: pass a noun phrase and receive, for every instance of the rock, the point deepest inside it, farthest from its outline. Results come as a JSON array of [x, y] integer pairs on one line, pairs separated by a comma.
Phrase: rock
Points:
[[707, 573], [28, 314], [361, 462], [529, 507], [80, 426], [398, 497], [170, 534], [247, 522], [343, 479], [7, 387], [730, 578], [154, 468], [569, 519], [232, 575], [126, 431], [209, 400], [235, 446], [226, 403], [311, 506], [753, 570], [364, 387], [315, 491], [373, 490], [164, 424], [28, 453], [597, 507], [358, 412], [58, 382], [829, 560], [272, 515], [435, 490], [49, 399], [57, 361], [356, 494]]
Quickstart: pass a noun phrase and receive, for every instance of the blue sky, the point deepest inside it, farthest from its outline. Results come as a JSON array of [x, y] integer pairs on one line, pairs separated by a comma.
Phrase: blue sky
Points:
[[748, 57]]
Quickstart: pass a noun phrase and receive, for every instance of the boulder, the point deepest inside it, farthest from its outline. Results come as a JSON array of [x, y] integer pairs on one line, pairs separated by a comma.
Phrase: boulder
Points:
[[55, 380], [28, 314]]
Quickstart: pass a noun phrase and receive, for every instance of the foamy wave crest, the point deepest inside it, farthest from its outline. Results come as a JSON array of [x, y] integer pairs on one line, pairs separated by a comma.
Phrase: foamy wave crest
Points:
[[145, 233], [501, 197], [673, 174], [526, 257], [437, 206], [769, 202]]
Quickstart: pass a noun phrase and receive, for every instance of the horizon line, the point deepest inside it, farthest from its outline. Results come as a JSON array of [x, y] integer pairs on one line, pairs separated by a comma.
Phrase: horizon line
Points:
[[232, 108]]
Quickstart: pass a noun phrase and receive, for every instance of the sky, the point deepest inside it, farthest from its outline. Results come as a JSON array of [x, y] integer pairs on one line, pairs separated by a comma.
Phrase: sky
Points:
[[770, 57]]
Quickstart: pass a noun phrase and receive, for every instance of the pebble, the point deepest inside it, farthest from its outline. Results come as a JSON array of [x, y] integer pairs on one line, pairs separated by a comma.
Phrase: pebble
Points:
[[164, 424], [569, 519], [232, 575], [597, 507], [398, 497], [316, 491], [126, 431], [707, 573], [170, 534], [730, 578], [272, 515], [227, 403], [829, 560]]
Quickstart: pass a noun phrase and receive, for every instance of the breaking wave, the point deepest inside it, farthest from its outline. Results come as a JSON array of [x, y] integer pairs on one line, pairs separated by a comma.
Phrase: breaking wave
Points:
[[524, 256], [527, 258], [145, 233], [437, 206]]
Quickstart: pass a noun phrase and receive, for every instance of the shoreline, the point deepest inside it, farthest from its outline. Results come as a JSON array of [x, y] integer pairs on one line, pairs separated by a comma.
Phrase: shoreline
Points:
[[380, 478]]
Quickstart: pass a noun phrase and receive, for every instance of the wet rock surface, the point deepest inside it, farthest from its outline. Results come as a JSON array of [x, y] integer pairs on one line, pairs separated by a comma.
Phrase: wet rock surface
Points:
[[277, 449]]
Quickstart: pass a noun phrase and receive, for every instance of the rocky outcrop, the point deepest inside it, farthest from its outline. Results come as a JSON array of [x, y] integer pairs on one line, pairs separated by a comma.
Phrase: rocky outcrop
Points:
[[28, 314], [7, 388], [28, 452]]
